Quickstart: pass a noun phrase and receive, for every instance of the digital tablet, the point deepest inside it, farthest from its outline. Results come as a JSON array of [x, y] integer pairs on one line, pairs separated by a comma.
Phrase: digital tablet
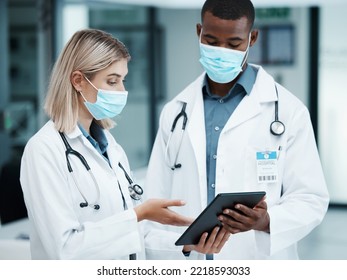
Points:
[[208, 220]]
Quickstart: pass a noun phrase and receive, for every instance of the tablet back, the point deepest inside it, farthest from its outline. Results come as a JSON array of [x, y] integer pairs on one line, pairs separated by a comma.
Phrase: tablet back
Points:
[[207, 220]]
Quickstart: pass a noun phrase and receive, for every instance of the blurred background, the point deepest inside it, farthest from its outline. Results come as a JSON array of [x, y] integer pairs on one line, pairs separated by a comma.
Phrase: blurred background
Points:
[[301, 43]]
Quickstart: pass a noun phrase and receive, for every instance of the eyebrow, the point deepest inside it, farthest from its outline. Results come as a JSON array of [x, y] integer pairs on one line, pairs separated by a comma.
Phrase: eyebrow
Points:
[[114, 74], [229, 39]]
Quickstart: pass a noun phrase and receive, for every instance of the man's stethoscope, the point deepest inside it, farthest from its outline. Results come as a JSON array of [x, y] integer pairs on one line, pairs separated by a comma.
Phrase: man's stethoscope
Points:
[[183, 115], [277, 128], [135, 190]]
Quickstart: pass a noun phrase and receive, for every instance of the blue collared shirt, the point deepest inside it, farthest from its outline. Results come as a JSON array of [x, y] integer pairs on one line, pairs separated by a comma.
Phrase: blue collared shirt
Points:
[[98, 140], [218, 110]]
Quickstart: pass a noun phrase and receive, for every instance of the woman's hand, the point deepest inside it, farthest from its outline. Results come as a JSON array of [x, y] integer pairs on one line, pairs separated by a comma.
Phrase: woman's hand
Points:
[[210, 244], [157, 210]]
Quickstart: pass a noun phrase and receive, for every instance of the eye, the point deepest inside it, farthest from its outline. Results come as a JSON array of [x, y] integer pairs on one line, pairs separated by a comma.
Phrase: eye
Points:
[[212, 43], [234, 46], [114, 81]]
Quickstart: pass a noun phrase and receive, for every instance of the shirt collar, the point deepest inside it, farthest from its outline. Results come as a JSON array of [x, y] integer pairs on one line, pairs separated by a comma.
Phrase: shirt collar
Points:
[[99, 137]]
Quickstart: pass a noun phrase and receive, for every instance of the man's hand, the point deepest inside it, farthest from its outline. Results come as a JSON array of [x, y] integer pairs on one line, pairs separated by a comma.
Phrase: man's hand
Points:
[[245, 218]]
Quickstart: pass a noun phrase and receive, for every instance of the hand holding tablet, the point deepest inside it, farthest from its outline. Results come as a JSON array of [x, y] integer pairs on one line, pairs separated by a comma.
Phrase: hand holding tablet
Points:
[[208, 219]]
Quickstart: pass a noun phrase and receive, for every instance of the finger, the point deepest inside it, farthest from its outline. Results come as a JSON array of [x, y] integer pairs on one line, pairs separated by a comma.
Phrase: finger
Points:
[[262, 205], [231, 229], [177, 219], [232, 217], [182, 220], [245, 210], [243, 221], [172, 202], [222, 231], [225, 238], [202, 240], [212, 237], [230, 224]]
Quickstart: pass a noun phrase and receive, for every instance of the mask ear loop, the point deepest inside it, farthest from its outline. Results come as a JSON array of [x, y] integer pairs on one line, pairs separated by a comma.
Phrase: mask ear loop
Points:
[[90, 83], [200, 36], [80, 92], [247, 50]]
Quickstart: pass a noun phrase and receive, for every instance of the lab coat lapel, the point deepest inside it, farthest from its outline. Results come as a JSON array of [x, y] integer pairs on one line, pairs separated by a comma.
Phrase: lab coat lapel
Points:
[[196, 132], [250, 106]]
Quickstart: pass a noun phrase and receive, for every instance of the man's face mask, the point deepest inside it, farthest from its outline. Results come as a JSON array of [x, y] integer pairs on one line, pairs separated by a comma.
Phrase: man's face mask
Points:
[[222, 65]]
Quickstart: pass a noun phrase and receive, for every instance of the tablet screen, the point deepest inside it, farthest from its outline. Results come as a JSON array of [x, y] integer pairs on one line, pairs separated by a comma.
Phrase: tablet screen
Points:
[[208, 220]]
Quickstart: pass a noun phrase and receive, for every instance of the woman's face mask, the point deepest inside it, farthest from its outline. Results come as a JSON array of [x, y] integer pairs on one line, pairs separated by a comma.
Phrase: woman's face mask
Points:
[[109, 103], [222, 65]]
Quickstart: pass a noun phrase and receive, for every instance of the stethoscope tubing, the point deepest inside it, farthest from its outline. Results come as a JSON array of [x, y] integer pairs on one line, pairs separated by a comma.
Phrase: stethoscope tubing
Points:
[[277, 128], [181, 114], [135, 190]]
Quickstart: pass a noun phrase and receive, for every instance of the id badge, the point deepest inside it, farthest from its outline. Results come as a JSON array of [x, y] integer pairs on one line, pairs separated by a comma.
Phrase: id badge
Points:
[[267, 167]]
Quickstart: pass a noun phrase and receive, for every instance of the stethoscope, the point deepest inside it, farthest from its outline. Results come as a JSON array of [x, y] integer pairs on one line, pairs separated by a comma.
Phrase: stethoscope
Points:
[[183, 115], [135, 190], [277, 128]]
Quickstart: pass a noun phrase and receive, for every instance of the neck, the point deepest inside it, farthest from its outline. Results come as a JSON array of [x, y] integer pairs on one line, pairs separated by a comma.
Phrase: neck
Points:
[[223, 89], [220, 89], [84, 117], [86, 124]]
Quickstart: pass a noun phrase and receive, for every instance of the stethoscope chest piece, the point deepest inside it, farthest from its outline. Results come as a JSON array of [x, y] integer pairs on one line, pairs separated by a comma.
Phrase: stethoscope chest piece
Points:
[[277, 128]]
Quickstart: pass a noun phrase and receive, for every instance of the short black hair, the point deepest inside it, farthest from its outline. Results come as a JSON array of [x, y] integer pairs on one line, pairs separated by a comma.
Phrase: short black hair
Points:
[[229, 9]]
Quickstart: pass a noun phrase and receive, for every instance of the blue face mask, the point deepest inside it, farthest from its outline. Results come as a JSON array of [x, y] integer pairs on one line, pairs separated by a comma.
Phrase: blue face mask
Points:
[[108, 103], [222, 65]]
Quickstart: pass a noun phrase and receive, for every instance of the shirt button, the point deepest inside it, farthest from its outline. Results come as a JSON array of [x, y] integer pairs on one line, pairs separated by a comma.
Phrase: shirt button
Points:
[[221, 101], [214, 156], [216, 128], [212, 186]]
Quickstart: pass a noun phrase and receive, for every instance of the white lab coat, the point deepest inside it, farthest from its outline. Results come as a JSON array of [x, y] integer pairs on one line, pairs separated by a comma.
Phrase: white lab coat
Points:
[[296, 203], [60, 228]]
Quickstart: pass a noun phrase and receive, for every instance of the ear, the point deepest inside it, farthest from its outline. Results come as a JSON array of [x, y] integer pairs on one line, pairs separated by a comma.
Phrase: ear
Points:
[[77, 80], [198, 29], [254, 37]]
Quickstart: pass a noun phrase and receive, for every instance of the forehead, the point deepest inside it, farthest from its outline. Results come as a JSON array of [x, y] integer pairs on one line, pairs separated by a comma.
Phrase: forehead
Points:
[[120, 68], [225, 28]]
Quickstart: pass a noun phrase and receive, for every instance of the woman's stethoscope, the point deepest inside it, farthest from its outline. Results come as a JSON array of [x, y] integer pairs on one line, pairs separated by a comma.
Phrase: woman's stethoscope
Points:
[[277, 128], [135, 190]]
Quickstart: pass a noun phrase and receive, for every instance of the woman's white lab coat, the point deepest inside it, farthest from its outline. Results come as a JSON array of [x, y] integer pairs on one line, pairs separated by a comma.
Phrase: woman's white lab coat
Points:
[[296, 203], [60, 228]]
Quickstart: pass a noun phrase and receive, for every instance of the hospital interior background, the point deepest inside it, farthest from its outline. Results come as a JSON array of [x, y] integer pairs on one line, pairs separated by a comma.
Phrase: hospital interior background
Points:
[[304, 47]]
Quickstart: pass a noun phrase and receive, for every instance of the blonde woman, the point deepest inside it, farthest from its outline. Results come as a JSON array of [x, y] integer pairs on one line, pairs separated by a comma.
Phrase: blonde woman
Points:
[[74, 175]]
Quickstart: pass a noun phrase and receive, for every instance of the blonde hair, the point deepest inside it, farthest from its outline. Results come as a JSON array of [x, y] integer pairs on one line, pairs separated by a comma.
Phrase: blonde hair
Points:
[[88, 51]]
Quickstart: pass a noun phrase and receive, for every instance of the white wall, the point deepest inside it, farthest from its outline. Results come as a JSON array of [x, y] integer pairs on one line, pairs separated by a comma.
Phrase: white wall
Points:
[[333, 100], [182, 48], [295, 77]]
